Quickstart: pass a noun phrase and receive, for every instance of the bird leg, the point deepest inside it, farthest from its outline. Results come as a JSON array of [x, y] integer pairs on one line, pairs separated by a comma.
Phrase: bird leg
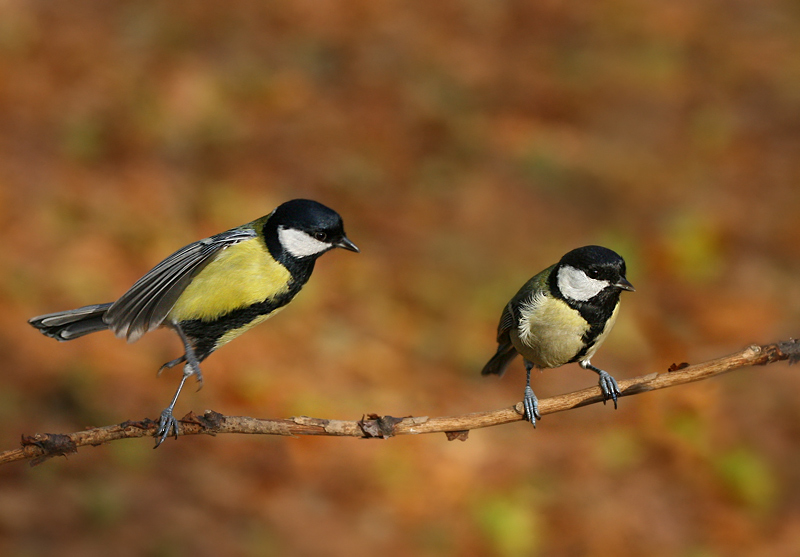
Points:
[[530, 402], [167, 422], [607, 383], [192, 363]]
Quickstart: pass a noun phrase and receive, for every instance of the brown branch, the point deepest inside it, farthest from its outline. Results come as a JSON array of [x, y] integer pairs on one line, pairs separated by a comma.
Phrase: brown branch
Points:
[[41, 446]]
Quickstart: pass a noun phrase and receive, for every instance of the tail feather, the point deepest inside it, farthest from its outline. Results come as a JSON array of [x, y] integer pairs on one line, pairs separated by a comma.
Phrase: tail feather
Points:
[[499, 362], [73, 323]]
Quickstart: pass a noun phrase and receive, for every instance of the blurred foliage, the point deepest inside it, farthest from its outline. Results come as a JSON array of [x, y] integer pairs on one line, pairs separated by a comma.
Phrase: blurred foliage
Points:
[[467, 145], [509, 523], [748, 477]]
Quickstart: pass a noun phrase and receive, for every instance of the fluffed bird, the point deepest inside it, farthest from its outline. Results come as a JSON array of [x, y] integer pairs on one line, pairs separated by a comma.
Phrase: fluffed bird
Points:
[[562, 315], [215, 289]]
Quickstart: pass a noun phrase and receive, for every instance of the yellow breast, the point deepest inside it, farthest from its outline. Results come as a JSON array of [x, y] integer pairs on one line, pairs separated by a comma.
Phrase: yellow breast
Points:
[[550, 332], [239, 276]]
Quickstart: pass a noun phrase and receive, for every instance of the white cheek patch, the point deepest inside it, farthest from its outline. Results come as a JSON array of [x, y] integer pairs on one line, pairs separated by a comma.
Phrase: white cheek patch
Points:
[[299, 243], [576, 285]]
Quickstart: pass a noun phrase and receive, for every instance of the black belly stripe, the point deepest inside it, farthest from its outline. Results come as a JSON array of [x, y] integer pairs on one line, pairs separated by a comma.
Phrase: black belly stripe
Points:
[[597, 315], [205, 334]]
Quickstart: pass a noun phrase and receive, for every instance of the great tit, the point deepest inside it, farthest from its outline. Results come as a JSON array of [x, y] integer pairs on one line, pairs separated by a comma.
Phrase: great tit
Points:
[[213, 290], [562, 315]]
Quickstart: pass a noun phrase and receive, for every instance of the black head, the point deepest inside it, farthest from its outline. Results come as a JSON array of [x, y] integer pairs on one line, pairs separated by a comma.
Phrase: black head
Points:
[[306, 229], [589, 273]]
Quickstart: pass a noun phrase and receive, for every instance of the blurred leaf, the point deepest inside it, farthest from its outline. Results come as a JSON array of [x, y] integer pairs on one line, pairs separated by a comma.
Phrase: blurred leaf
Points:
[[619, 450], [510, 523], [11, 399], [691, 428], [748, 476], [694, 246], [164, 546], [546, 170], [435, 539], [712, 128], [260, 541], [84, 138], [358, 174], [102, 502]]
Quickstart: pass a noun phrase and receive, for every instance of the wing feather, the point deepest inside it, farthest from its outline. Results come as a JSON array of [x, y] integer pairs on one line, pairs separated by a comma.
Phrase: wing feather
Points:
[[145, 306], [507, 322]]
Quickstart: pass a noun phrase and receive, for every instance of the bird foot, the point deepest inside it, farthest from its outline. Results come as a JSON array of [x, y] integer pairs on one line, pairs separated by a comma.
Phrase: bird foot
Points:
[[609, 387], [170, 364], [166, 423], [531, 404]]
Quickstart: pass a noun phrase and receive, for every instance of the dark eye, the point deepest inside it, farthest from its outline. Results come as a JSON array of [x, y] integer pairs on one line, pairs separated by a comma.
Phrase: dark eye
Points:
[[321, 236], [593, 273]]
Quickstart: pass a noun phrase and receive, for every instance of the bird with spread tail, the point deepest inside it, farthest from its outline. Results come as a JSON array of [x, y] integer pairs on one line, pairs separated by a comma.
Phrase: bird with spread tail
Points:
[[215, 289]]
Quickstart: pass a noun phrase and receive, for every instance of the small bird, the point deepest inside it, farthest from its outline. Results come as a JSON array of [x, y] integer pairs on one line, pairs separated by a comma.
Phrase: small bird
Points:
[[562, 315], [215, 289]]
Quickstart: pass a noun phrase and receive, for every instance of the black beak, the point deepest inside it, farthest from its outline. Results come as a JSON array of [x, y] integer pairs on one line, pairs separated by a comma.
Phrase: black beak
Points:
[[623, 284], [345, 243]]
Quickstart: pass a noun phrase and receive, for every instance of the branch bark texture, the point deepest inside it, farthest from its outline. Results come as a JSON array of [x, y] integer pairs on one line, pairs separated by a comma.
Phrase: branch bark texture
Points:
[[41, 446]]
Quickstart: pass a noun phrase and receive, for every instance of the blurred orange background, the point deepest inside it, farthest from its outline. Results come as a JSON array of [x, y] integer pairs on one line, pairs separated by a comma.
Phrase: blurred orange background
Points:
[[467, 145]]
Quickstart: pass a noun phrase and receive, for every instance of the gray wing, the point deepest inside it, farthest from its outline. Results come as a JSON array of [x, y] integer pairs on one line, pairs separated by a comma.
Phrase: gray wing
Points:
[[145, 306], [505, 350], [507, 322]]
